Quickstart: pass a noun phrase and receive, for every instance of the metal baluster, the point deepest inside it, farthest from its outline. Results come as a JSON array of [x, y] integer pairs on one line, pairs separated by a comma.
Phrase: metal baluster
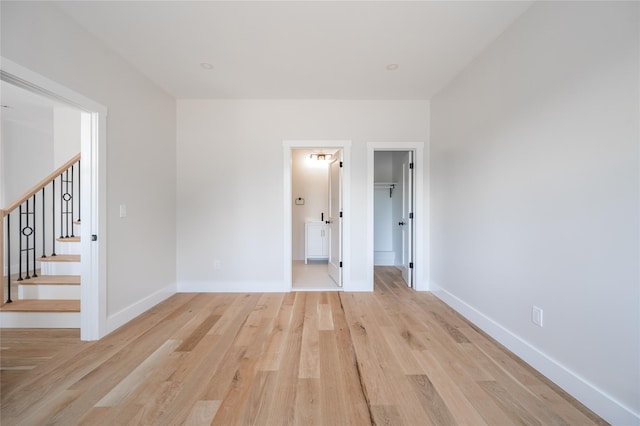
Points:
[[61, 215], [53, 217], [35, 236], [44, 249], [20, 243], [27, 239], [9, 259], [71, 211], [66, 202]]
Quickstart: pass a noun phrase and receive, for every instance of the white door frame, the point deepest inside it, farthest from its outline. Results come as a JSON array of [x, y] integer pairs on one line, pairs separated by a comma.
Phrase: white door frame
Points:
[[345, 146], [93, 297], [420, 213]]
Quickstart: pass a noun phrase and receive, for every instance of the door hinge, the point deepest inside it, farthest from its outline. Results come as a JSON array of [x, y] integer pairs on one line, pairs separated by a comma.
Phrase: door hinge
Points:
[[341, 264], [411, 165], [341, 164], [411, 215], [340, 214], [94, 237], [410, 265]]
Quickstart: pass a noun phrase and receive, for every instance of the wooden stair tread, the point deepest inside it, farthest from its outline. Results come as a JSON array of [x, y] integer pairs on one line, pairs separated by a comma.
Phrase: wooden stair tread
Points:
[[41, 306], [68, 239], [52, 280], [61, 258]]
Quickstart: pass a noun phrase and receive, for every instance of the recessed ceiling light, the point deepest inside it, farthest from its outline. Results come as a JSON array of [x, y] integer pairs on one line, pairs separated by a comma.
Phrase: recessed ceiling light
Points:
[[392, 67], [206, 65]]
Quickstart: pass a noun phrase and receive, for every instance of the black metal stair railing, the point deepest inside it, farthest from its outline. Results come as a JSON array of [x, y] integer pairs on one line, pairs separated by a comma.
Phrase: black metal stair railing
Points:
[[37, 222]]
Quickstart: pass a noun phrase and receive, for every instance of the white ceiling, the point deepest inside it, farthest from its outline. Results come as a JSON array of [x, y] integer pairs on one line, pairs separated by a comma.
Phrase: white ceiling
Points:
[[297, 49], [25, 107]]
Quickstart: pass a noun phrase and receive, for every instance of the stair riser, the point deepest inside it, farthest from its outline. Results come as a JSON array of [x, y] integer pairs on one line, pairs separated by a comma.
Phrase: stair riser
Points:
[[60, 268], [69, 248], [44, 291], [40, 319]]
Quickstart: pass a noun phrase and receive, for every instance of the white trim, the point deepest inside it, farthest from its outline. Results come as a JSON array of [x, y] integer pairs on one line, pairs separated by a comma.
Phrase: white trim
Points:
[[602, 404], [421, 213], [9, 319], [93, 316], [233, 287], [125, 315], [345, 145]]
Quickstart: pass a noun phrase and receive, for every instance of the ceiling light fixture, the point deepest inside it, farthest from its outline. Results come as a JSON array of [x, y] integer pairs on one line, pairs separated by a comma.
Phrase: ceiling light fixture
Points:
[[206, 65], [321, 157], [392, 67]]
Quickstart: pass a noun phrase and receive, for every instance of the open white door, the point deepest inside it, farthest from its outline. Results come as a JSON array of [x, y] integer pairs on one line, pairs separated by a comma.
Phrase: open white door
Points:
[[406, 223], [335, 219]]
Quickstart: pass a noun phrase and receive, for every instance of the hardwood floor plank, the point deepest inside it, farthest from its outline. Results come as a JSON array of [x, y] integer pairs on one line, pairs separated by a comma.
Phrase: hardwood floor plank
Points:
[[387, 415], [435, 407], [461, 409], [309, 360], [307, 406], [137, 376], [281, 411], [391, 357], [202, 413]]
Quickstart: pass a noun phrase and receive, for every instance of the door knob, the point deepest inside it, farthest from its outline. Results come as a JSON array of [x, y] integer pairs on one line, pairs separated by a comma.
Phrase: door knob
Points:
[[327, 222], [401, 223]]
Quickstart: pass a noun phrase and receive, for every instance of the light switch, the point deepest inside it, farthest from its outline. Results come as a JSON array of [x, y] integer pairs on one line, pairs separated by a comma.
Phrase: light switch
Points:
[[123, 210]]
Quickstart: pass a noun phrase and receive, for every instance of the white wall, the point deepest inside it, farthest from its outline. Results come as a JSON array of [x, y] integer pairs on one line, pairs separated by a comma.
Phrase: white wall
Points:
[[310, 181], [66, 134], [140, 146], [27, 153], [535, 191], [230, 180]]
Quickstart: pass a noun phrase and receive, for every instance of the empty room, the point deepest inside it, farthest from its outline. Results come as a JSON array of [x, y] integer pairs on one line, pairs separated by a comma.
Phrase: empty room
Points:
[[320, 212]]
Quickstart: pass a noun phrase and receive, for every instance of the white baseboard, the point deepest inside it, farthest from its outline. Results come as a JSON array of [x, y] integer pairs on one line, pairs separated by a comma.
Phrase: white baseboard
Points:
[[233, 287], [358, 286], [384, 258], [10, 319], [130, 312], [597, 400]]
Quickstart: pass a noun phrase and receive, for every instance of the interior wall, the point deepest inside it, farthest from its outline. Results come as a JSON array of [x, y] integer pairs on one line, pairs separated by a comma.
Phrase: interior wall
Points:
[[66, 134], [140, 153], [535, 197], [230, 181], [310, 181], [28, 152]]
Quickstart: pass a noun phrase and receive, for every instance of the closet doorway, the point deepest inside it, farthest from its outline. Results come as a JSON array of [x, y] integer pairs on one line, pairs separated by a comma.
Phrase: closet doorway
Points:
[[393, 212], [396, 210]]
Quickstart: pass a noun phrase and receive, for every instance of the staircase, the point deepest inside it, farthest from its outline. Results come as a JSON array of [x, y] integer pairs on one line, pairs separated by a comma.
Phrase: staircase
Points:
[[45, 293]]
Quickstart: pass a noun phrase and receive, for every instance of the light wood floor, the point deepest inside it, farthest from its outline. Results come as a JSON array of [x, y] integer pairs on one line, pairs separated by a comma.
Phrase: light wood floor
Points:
[[392, 357]]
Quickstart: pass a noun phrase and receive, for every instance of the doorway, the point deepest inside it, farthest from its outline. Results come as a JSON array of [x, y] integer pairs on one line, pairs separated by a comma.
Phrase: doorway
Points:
[[396, 210], [315, 219], [393, 212], [93, 193]]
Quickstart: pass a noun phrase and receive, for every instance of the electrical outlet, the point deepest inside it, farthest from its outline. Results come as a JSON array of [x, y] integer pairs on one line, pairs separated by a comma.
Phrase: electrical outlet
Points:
[[216, 264], [536, 316], [123, 210]]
